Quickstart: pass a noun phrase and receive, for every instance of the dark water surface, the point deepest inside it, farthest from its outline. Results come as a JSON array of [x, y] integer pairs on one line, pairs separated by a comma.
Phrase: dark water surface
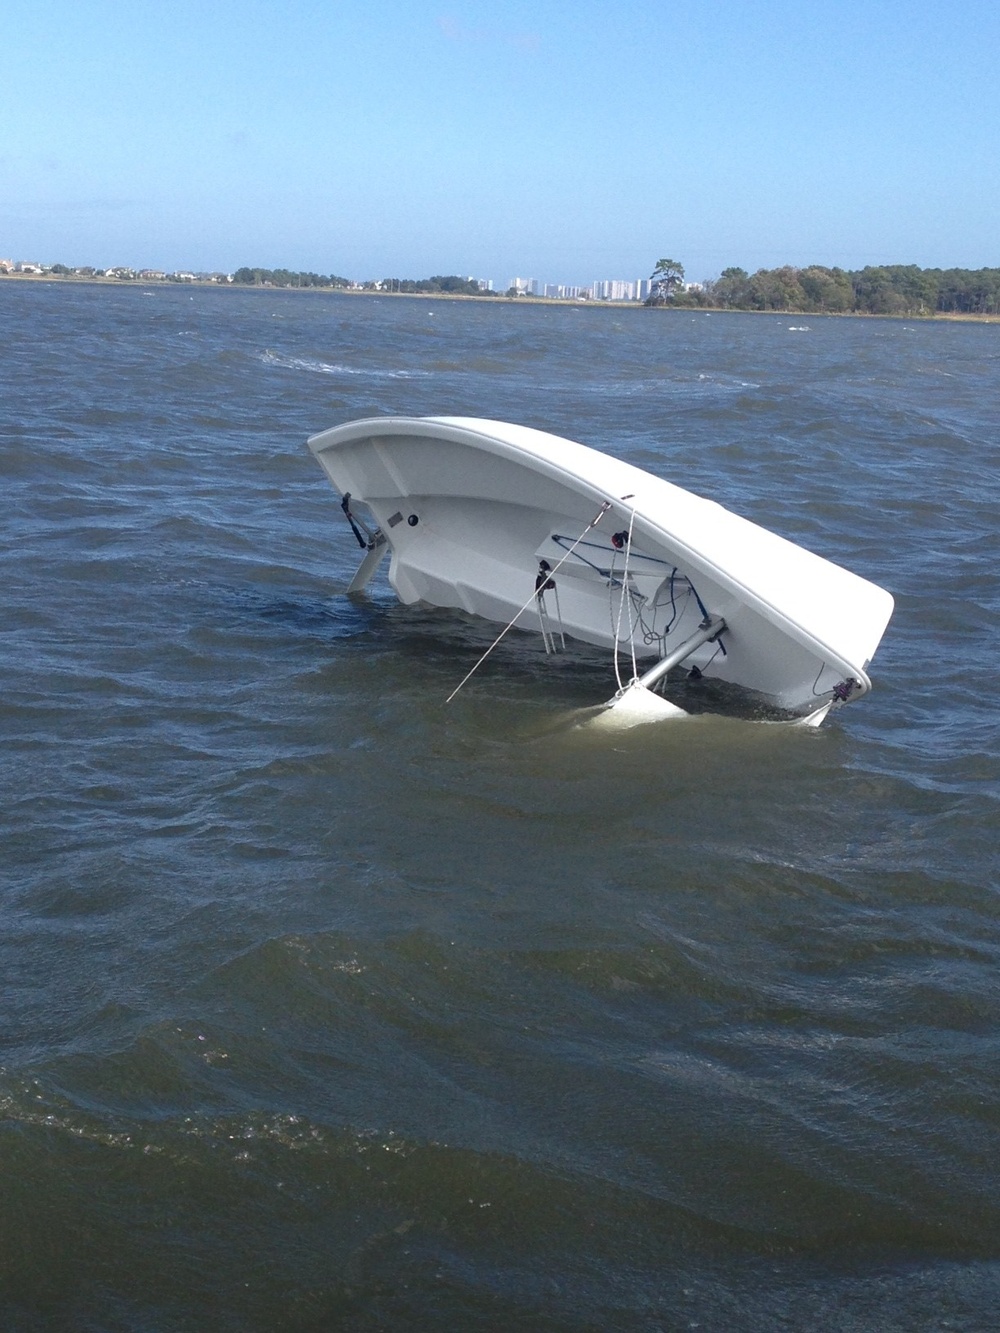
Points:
[[327, 1006]]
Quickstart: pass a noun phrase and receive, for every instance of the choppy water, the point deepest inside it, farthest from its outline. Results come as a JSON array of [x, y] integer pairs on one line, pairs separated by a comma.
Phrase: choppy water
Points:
[[325, 1006]]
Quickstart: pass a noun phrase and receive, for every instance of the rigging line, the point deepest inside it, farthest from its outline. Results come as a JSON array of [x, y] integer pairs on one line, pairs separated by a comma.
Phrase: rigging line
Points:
[[818, 694], [701, 606], [673, 601], [596, 546], [592, 524], [625, 585], [639, 603], [604, 573], [719, 648], [677, 611], [616, 629], [649, 632], [626, 591]]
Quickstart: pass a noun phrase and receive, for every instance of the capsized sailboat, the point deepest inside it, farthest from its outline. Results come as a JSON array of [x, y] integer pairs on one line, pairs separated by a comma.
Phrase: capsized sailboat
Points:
[[526, 529]]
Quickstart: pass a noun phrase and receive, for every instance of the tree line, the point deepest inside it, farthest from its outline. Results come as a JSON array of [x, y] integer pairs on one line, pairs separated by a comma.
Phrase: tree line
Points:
[[450, 283], [890, 289], [284, 277]]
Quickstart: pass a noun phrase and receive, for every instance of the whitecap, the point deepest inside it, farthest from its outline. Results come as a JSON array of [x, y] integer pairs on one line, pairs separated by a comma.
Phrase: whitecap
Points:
[[317, 367]]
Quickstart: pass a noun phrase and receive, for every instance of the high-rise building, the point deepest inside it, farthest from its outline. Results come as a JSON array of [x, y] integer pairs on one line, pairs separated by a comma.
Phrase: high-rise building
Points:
[[616, 289]]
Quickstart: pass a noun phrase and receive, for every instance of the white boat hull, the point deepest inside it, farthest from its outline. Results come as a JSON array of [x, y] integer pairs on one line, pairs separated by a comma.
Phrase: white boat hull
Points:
[[470, 509]]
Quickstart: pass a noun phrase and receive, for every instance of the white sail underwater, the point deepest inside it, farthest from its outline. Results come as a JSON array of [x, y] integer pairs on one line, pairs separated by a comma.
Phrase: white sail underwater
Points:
[[516, 525]]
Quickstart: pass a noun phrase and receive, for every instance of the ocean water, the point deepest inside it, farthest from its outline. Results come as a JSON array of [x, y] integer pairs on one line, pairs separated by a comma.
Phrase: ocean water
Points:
[[328, 1006]]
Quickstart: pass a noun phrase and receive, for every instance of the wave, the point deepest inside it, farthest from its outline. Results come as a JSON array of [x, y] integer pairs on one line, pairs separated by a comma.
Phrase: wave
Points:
[[317, 367]]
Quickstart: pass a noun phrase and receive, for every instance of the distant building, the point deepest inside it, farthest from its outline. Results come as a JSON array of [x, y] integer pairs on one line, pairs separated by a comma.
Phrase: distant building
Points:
[[561, 292], [606, 289], [614, 289], [618, 289]]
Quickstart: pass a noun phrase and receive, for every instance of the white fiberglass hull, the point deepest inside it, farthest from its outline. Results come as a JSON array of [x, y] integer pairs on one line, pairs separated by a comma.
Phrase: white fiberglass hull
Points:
[[471, 509]]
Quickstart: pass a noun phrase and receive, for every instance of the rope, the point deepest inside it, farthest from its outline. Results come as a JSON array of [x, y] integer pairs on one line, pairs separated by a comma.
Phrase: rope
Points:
[[592, 524], [625, 592], [616, 627], [631, 627]]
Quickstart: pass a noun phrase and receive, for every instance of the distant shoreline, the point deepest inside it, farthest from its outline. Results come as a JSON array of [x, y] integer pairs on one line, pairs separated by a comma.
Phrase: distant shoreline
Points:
[[498, 299]]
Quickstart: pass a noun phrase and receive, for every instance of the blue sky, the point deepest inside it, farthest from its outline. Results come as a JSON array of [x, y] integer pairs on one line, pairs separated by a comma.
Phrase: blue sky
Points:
[[563, 141]]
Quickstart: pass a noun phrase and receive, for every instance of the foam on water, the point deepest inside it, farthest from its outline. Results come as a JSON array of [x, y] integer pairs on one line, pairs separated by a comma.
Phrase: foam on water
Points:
[[270, 358]]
